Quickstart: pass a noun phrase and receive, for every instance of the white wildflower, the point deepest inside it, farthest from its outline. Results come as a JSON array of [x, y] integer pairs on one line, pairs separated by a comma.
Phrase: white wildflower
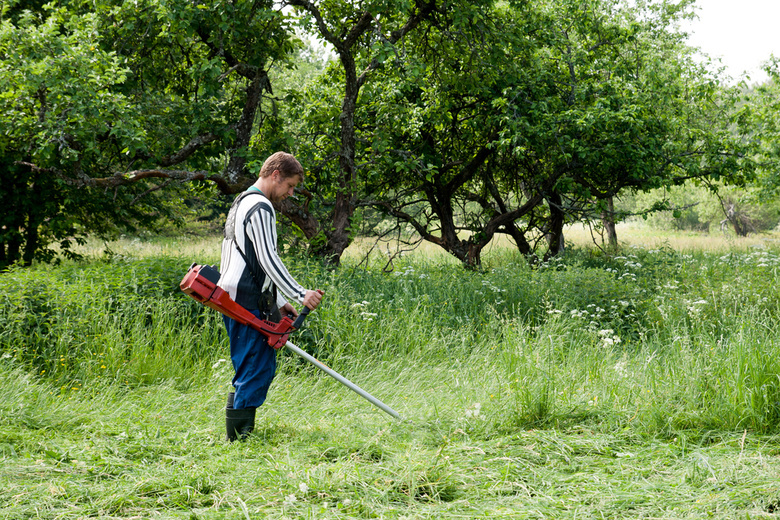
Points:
[[621, 368], [473, 410], [608, 337]]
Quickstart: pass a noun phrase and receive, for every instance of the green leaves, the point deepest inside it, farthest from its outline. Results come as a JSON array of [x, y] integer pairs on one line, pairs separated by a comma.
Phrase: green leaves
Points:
[[484, 117], [58, 89], [94, 90]]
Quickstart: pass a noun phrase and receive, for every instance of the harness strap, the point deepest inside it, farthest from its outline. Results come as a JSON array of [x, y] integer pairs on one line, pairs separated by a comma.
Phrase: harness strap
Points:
[[269, 307]]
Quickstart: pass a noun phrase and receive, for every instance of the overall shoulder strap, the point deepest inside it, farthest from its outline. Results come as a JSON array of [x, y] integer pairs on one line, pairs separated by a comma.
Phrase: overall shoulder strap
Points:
[[230, 222]]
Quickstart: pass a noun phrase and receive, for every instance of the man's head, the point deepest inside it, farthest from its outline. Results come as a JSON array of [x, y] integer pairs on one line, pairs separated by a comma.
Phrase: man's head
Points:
[[287, 165], [279, 176]]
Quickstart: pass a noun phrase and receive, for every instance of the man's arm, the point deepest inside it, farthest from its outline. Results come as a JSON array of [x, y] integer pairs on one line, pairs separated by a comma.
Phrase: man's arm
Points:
[[261, 230]]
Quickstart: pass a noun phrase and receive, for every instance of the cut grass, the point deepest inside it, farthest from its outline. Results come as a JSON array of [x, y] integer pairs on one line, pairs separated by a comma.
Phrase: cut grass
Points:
[[158, 452]]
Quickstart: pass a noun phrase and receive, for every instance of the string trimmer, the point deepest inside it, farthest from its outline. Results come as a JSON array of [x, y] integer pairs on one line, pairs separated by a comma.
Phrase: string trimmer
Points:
[[200, 283]]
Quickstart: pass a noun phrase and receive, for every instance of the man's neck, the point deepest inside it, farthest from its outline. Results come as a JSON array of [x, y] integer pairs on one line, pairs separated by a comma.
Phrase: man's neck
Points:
[[263, 184]]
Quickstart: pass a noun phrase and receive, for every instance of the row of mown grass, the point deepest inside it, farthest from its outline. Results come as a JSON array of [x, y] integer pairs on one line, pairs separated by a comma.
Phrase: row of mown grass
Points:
[[156, 452]]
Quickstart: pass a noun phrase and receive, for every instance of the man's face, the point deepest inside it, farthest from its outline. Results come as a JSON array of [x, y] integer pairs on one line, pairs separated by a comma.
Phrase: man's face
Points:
[[282, 188]]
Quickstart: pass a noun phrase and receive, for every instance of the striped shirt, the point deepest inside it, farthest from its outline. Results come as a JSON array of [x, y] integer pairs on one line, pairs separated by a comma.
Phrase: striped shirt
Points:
[[255, 234]]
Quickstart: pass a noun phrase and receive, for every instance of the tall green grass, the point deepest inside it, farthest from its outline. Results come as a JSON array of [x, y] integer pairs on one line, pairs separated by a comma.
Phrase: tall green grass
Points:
[[122, 321], [667, 340]]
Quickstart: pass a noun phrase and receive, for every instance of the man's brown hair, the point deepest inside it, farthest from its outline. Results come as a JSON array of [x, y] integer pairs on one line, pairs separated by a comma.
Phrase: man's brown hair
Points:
[[286, 163]]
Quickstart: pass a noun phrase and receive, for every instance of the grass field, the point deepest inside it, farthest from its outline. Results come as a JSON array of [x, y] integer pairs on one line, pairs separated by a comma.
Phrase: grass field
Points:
[[640, 385]]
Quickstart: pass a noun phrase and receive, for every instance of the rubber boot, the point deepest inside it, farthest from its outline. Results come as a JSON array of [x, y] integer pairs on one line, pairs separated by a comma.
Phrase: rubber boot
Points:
[[238, 422]]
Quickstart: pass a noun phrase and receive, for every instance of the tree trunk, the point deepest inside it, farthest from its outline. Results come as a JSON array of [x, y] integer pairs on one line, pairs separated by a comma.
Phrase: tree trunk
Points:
[[14, 249], [31, 241], [12, 221], [737, 219], [300, 216], [337, 231], [520, 241], [474, 258], [608, 219], [237, 163], [338, 237], [554, 228]]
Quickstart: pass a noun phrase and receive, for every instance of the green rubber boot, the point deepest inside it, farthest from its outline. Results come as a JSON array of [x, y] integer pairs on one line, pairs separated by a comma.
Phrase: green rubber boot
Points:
[[238, 422]]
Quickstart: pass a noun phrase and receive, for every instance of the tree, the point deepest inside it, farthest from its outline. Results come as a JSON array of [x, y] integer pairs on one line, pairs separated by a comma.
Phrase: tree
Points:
[[439, 110], [759, 124], [140, 95], [58, 107], [359, 39], [747, 207], [592, 98], [633, 110], [462, 120]]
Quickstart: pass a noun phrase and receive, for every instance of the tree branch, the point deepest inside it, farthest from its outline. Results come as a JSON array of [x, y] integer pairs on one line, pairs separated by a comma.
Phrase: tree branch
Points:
[[313, 10], [125, 178], [191, 147]]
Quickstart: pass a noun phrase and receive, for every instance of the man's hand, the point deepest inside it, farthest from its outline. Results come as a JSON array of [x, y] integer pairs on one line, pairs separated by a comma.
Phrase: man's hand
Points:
[[288, 310], [312, 299]]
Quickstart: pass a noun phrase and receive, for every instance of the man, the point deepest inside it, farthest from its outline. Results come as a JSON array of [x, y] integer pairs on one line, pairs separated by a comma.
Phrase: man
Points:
[[256, 278]]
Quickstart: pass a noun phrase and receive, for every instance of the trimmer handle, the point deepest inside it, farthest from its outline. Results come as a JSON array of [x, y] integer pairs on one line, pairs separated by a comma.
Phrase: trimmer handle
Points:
[[302, 316]]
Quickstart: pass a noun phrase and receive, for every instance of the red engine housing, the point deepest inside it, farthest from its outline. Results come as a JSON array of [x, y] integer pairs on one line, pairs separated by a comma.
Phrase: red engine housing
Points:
[[200, 283]]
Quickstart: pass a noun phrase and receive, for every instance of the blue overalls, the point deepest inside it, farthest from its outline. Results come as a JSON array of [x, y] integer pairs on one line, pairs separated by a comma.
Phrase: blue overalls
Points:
[[254, 362]]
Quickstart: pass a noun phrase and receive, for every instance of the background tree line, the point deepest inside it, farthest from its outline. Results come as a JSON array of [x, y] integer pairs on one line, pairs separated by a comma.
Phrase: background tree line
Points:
[[453, 122]]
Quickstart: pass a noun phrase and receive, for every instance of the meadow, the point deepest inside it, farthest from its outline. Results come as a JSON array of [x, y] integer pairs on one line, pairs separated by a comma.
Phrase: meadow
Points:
[[643, 384]]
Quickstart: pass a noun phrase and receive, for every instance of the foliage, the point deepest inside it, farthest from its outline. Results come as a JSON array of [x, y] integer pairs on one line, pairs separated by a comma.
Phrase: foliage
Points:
[[60, 107], [438, 112], [362, 43], [461, 121], [110, 104], [759, 125], [117, 320], [572, 104]]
